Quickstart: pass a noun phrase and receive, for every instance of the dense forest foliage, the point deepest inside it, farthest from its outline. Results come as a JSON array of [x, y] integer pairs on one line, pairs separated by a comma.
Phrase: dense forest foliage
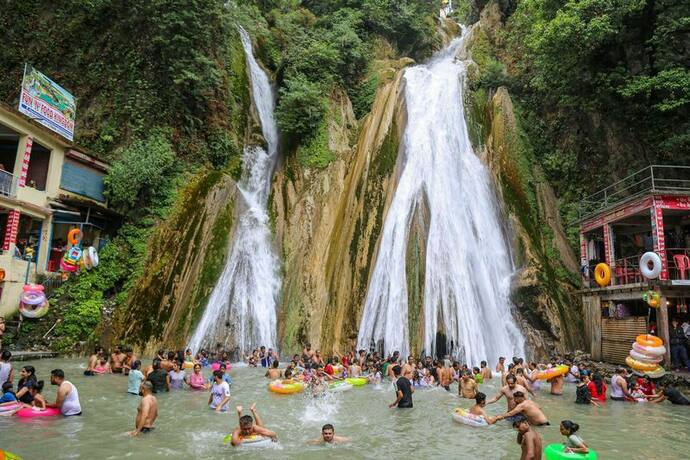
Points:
[[602, 88]]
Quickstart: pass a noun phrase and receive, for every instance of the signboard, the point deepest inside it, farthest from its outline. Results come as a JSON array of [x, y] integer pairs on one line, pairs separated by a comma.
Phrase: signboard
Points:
[[47, 102]]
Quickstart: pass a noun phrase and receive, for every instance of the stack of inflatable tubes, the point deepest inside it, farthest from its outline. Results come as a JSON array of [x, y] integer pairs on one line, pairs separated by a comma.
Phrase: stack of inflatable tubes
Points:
[[75, 258], [646, 354], [33, 302]]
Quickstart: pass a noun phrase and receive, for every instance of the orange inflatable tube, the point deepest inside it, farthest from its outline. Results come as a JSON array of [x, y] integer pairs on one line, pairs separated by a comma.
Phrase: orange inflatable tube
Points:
[[74, 236], [647, 340], [602, 274]]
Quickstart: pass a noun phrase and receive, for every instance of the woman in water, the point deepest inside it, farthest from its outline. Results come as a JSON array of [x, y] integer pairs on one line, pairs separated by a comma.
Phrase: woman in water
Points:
[[597, 388], [196, 379], [26, 383], [178, 377], [102, 367], [574, 444]]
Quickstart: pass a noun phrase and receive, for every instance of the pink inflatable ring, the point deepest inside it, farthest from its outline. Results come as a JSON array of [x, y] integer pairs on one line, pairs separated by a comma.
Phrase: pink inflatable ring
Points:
[[30, 412]]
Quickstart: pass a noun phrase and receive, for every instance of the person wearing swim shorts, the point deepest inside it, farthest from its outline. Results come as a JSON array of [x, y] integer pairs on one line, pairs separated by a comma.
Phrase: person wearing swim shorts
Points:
[[247, 427], [328, 436], [528, 408], [147, 412]]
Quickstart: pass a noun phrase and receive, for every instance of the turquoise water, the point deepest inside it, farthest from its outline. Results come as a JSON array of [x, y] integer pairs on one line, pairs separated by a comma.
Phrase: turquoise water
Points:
[[187, 429]]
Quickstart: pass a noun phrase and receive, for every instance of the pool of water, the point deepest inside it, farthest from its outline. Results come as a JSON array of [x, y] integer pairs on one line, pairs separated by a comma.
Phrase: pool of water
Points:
[[186, 428]]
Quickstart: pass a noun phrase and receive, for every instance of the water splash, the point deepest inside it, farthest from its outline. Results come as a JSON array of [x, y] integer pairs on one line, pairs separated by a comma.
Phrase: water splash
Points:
[[468, 261], [241, 311]]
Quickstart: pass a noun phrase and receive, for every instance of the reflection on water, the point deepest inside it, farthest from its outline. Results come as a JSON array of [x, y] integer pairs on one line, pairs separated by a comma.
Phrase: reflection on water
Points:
[[186, 428]]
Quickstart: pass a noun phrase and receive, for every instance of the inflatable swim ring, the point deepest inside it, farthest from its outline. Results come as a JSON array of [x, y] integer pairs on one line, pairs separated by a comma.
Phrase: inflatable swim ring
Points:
[[34, 311], [553, 372], [86, 260], [650, 272], [640, 366], [461, 415], [32, 297], [65, 267], [337, 387], [650, 351], [30, 412], [4, 455], [254, 440], [655, 374], [188, 365], [643, 358], [649, 340], [74, 236], [33, 287], [7, 409], [652, 298], [93, 256], [602, 274], [285, 388], [357, 381], [557, 452]]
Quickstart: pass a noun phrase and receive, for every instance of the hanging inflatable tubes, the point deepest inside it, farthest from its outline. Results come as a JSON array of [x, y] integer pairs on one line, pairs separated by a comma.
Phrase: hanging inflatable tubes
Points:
[[254, 440], [285, 387], [461, 415], [557, 452], [33, 287], [2, 274], [4, 455], [602, 274], [86, 260], [357, 381], [93, 256], [73, 256], [34, 311], [650, 265], [74, 236], [339, 386], [32, 297], [647, 340], [33, 412], [553, 372], [649, 351], [643, 358], [656, 373], [69, 268], [639, 365]]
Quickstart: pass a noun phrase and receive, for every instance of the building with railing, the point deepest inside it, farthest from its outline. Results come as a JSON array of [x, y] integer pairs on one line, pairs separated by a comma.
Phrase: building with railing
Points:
[[648, 211], [47, 187]]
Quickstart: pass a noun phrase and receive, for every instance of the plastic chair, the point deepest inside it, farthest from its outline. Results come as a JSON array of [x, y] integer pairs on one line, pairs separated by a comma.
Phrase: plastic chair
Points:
[[682, 264]]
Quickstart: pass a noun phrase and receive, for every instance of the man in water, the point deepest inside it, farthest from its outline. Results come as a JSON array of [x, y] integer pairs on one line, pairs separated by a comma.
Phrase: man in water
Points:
[[263, 356], [500, 366], [528, 408], [274, 373], [509, 391], [307, 353], [116, 360], [485, 371], [147, 412], [220, 392], [130, 358], [328, 436], [529, 440], [478, 408], [667, 392], [247, 427], [619, 385], [467, 386], [408, 368], [403, 390], [445, 376], [67, 399], [93, 360]]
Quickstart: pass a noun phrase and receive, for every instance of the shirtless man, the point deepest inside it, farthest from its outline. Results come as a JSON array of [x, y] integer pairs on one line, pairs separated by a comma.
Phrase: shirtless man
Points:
[[116, 359], [499, 366], [328, 436], [408, 368], [445, 376], [147, 412], [529, 440], [168, 363], [528, 408], [478, 408], [509, 391], [317, 359], [556, 385], [247, 427], [274, 373], [522, 380], [467, 386], [362, 358], [307, 353], [355, 369], [93, 360], [485, 371], [130, 358]]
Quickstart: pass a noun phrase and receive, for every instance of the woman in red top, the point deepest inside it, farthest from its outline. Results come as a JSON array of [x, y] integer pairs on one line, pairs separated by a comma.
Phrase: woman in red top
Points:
[[646, 386], [329, 368], [597, 388]]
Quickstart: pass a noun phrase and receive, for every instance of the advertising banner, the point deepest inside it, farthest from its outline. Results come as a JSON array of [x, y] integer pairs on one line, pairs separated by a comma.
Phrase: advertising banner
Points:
[[47, 102]]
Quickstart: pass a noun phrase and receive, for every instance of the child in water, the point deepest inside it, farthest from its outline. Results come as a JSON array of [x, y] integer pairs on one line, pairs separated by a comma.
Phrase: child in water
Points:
[[103, 367], [39, 402], [575, 444], [636, 393], [478, 377]]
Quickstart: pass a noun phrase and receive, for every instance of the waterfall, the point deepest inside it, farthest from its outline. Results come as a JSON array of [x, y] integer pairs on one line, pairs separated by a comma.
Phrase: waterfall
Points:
[[241, 311], [468, 260]]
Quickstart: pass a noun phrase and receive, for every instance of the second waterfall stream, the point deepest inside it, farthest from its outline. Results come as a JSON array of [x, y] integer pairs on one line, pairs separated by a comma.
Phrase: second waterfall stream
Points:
[[468, 266], [241, 310]]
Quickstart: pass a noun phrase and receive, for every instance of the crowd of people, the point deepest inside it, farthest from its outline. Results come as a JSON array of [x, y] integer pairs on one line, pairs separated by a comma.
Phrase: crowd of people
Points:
[[519, 382]]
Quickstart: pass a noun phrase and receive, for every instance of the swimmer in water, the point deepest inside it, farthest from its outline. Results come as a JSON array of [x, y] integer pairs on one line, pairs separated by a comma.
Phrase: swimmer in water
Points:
[[147, 412], [328, 436], [508, 391], [528, 408], [499, 366], [478, 408], [575, 444], [247, 427], [529, 440], [467, 386], [274, 373]]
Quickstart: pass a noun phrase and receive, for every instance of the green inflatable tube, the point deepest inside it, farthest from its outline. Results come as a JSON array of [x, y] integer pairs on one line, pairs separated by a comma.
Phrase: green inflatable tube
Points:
[[357, 381], [556, 452]]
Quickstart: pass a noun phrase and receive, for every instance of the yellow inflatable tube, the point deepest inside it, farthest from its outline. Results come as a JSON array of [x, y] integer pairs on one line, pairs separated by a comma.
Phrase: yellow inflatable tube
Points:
[[285, 387], [553, 372], [640, 366]]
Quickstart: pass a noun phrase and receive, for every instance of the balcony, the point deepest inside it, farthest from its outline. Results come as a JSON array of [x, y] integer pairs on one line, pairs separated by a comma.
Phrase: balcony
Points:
[[8, 184], [627, 269]]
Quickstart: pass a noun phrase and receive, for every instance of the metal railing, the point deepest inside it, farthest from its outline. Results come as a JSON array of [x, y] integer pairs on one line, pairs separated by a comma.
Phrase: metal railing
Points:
[[651, 179], [8, 184], [627, 269]]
